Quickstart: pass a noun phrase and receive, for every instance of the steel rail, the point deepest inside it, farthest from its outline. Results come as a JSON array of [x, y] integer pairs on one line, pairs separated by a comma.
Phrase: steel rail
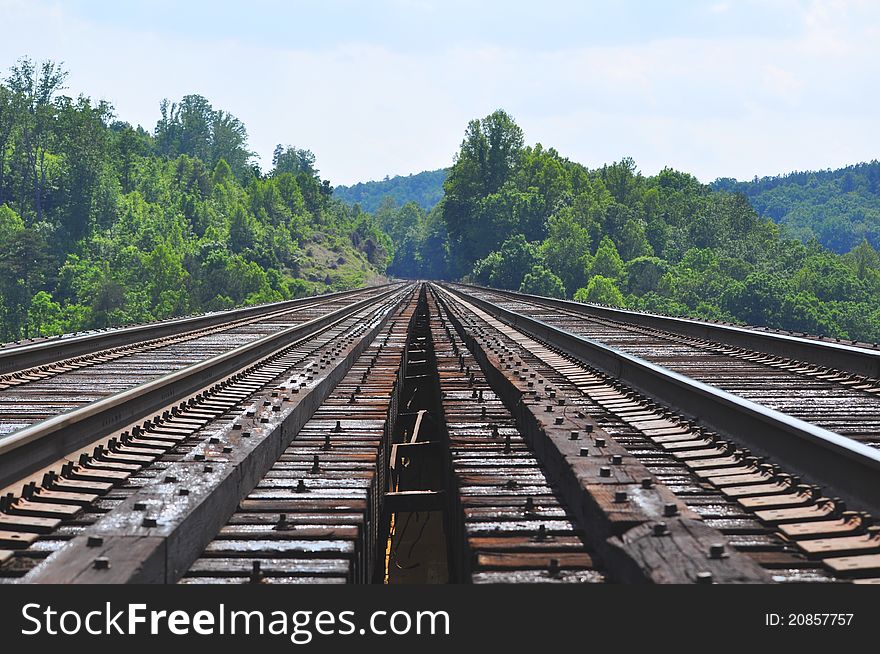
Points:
[[32, 448], [21, 357], [846, 468], [851, 358], [155, 533]]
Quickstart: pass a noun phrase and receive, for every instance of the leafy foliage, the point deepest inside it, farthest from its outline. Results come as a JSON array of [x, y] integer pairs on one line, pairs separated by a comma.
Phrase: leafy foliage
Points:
[[102, 223], [524, 217], [540, 281], [425, 189], [839, 208]]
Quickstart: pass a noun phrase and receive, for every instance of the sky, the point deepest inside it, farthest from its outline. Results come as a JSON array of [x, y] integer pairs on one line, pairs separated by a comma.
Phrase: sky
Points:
[[386, 87]]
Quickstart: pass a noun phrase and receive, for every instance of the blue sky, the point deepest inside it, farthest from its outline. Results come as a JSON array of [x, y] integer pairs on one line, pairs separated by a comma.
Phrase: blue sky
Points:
[[734, 88]]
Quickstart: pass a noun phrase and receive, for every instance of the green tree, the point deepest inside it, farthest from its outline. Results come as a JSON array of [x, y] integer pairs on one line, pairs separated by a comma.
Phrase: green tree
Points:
[[566, 247], [541, 281], [84, 143], [643, 274], [507, 267], [607, 262], [633, 241], [489, 154], [862, 259], [45, 316], [600, 290], [34, 88]]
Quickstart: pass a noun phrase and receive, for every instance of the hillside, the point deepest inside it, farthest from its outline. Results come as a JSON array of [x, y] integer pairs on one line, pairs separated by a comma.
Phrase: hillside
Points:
[[525, 217], [102, 223], [839, 208], [425, 189]]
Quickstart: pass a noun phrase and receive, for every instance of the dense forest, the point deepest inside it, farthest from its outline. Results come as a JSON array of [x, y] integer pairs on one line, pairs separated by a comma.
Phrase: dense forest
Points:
[[839, 208], [425, 189], [525, 217], [103, 223]]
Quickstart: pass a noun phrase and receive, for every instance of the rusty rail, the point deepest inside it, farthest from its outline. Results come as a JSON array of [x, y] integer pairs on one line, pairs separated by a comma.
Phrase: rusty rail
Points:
[[849, 469], [14, 358], [859, 360]]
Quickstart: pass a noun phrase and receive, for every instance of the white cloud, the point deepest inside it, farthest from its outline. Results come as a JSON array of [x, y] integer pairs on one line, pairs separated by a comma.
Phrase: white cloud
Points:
[[732, 106]]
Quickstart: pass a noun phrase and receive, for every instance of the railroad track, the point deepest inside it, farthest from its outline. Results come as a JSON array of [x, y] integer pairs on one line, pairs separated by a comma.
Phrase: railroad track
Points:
[[430, 433], [835, 399], [783, 476], [29, 355], [43, 380], [194, 451]]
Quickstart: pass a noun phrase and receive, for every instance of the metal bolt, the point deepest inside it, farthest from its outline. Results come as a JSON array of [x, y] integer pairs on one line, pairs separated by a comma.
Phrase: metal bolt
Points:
[[213, 439], [584, 451], [183, 491], [704, 578], [558, 420], [315, 466], [199, 457], [716, 551], [647, 482], [553, 568], [574, 435], [660, 529], [530, 504], [94, 541], [604, 472], [542, 533], [149, 522], [256, 574], [170, 479], [670, 510], [139, 506], [227, 450], [209, 468], [600, 442], [301, 486], [282, 524], [620, 496], [616, 459], [549, 408], [101, 563]]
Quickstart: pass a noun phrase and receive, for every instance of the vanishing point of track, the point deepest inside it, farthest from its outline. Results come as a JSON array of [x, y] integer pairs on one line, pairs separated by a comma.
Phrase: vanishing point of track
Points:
[[435, 433]]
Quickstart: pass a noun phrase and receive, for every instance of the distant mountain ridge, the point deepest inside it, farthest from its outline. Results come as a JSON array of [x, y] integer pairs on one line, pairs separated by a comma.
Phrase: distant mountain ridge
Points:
[[839, 207], [425, 189]]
